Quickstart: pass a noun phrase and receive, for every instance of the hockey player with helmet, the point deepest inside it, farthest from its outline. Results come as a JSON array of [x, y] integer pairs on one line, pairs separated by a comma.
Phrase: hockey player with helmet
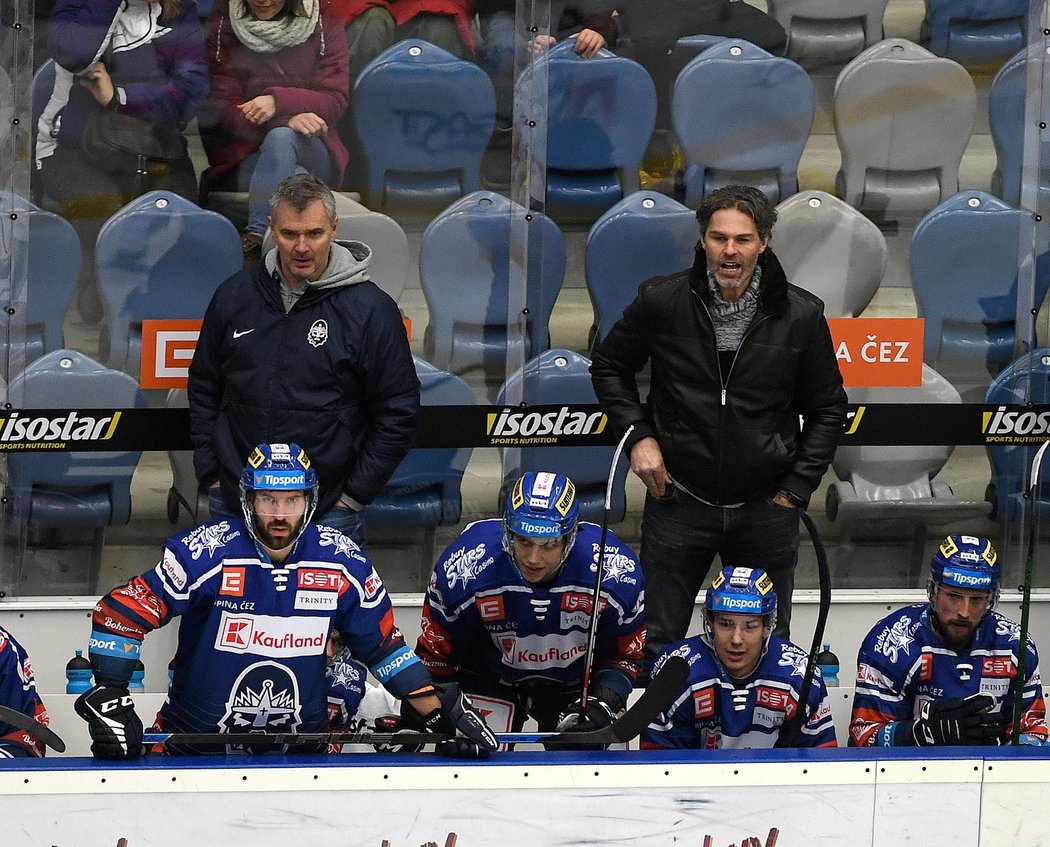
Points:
[[945, 672], [258, 598], [744, 682], [509, 605], [18, 692]]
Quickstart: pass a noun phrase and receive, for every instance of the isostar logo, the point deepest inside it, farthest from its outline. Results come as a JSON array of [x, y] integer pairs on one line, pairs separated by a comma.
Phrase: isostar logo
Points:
[[17, 430], [704, 703], [514, 426], [490, 608], [266, 635], [998, 666], [322, 579], [1014, 426]]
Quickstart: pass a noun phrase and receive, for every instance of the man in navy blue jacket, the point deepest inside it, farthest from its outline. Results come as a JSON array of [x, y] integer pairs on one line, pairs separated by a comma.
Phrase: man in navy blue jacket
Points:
[[303, 347]]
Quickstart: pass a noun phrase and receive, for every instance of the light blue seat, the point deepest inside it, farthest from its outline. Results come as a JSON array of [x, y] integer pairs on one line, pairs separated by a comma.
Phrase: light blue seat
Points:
[[562, 377], [824, 32], [425, 490], [646, 234], [903, 119], [1006, 119], [975, 32], [477, 283], [43, 260], [964, 261], [742, 115], [1024, 382], [159, 257], [70, 489], [424, 118], [600, 115]]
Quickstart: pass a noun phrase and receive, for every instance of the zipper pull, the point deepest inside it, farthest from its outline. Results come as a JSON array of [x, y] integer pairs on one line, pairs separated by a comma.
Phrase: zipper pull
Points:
[[723, 396]]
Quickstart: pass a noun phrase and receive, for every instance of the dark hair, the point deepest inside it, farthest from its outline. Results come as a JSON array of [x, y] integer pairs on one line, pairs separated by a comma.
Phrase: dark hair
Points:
[[743, 198], [299, 191]]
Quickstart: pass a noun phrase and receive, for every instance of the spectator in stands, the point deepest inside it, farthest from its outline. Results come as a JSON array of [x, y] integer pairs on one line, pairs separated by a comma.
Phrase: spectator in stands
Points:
[[946, 671], [18, 692], [141, 59], [509, 605], [280, 74], [303, 346], [744, 683], [262, 668], [737, 356]]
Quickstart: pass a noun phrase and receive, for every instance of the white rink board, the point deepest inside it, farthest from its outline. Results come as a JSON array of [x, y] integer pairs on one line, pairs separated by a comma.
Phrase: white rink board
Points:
[[835, 797]]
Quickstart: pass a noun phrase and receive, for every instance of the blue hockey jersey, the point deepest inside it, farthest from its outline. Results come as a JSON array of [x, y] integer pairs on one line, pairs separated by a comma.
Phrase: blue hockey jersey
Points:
[[251, 651], [716, 712], [903, 662], [18, 692], [481, 615]]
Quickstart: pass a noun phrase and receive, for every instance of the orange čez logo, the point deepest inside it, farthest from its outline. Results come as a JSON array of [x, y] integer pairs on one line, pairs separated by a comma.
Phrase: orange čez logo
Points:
[[490, 608], [232, 582], [704, 703], [925, 668]]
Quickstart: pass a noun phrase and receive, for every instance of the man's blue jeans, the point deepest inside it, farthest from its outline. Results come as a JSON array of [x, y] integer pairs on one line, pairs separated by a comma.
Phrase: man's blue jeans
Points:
[[680, 537]]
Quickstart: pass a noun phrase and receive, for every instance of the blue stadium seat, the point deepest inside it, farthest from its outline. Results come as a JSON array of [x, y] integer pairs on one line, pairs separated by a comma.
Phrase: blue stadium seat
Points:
[[827, 32], [599, 117], [425, 490], [964, 270], [1024, 382], [563, 377], [477, 283], [975, 32], [903, 119], [160, 257], [742, 115], [43, 260], [67, 488], [424, 118], [1006, 118], [646, 234]]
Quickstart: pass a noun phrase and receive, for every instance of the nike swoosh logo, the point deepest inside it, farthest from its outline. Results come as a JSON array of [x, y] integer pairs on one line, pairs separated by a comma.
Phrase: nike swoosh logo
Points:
[[239, 333]]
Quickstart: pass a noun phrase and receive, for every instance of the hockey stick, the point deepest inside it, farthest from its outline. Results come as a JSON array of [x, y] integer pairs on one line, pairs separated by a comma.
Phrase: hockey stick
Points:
[[824, 573], [662, 690], [592, 629], [1026, 590], [33, 727]]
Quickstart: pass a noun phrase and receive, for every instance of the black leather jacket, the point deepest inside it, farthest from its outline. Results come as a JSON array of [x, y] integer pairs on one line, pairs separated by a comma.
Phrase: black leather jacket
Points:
[[727, 437]]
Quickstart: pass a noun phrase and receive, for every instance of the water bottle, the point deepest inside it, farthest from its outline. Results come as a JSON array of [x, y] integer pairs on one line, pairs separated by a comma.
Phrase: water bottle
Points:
[[78, 674], [828, 663], [171, 673], [138, 675]]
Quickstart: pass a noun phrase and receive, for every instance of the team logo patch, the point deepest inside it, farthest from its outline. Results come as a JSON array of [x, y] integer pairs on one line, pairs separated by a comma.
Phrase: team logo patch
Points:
[[318, 333], [232, 582], [265, 697]]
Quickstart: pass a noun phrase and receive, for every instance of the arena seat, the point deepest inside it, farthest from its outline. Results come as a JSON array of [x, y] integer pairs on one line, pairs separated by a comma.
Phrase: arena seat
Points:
[[562, 377], [828, 32], [829, 248], [1006, 119], [425, 490], [599, 116], [424, 118], [646, 234], [975, 32], [903, 119], [742, 115], [964, 271], [886, 488], [45, 254], [69, 489], [159, 257], [1025, 382], [481, 265]]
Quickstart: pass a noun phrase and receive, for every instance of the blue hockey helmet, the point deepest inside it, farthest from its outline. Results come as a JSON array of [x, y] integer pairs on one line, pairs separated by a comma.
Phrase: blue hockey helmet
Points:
[[277, 467], [541, 505], [966, 561], [741, 591]]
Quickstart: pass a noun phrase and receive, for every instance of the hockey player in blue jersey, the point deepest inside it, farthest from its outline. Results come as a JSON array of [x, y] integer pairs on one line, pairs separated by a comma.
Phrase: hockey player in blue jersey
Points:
[[18, 692], [945, 672], [258, 599], [509, 604], [744, 682]]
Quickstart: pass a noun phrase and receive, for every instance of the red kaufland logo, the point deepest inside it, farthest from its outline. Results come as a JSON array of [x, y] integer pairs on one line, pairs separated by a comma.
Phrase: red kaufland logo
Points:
[[237, 632]]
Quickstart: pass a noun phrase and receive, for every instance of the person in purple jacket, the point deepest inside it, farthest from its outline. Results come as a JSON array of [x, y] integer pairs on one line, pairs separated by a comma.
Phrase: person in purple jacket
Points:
[[141, 58]]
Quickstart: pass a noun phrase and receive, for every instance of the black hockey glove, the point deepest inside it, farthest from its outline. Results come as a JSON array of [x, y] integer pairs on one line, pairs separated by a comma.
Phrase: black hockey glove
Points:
[[959, 720], [457, 716], [115, 729], [601, 710]]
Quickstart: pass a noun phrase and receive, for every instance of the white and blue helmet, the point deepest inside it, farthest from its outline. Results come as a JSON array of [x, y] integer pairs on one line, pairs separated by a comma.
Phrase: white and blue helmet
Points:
[[541, 505], [966, 561], [277, 467], [741, 591]]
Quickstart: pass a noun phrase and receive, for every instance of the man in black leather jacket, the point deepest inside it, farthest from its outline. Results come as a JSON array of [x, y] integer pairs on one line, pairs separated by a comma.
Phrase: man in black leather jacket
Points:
[[738, 355]]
